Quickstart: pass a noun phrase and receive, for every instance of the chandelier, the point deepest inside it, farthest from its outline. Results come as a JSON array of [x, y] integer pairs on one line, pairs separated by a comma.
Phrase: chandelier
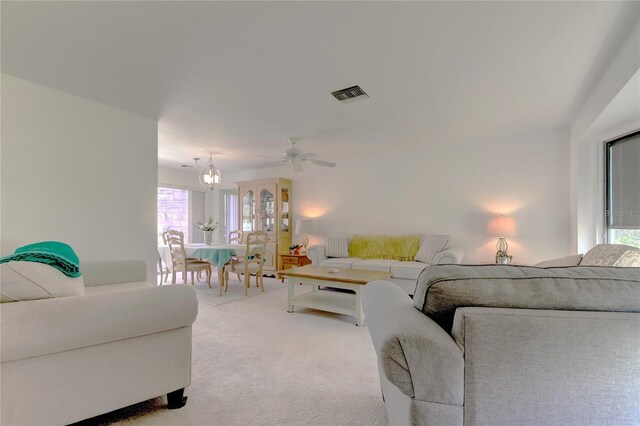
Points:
[[209, 175]]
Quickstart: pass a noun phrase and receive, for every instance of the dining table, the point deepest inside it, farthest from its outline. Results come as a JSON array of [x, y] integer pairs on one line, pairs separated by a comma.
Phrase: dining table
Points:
[[217, 254]]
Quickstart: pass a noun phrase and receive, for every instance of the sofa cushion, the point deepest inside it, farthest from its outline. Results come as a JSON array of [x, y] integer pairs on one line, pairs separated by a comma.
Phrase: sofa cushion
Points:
[[430, 246], [562, 261], [375, 264], [339, 262], [400, 247], [407, 270], [23, 280], [443, 288], [612, 255], [337, 245]]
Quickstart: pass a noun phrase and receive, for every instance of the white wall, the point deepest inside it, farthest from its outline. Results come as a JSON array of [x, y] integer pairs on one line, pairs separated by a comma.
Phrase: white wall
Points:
[[445, 187], [612, 109], [179, 178], [77, 171]]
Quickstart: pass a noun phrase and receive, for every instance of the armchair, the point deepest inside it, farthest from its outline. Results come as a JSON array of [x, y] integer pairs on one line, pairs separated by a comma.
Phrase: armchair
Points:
[[71, 358]]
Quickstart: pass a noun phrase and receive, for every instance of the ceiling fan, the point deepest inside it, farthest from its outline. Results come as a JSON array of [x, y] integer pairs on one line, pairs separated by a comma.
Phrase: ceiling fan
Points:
[[296, 157]]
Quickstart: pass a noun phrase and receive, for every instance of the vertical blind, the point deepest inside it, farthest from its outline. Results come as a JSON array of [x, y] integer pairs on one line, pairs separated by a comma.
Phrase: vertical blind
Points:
[[623, 182], [231, 213]]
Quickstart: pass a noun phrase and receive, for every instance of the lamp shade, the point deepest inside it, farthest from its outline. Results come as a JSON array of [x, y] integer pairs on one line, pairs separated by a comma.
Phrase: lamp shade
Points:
[[304, 226], [502, 227]]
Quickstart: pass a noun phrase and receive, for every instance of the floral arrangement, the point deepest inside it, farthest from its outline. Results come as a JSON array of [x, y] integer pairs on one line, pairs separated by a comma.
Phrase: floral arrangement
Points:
[[209, 225]]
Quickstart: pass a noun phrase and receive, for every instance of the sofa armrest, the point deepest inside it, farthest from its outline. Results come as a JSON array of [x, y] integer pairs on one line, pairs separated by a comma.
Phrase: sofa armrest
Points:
[[537, 361], [414, 353], [113, 272], [316, 254], [449, 256], [47, 326]]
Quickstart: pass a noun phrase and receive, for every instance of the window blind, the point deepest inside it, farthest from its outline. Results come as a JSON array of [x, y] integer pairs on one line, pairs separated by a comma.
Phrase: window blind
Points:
[[623, 176]]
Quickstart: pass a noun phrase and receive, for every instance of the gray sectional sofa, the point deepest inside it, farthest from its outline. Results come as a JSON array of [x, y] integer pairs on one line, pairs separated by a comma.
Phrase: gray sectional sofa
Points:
[[507, 345]]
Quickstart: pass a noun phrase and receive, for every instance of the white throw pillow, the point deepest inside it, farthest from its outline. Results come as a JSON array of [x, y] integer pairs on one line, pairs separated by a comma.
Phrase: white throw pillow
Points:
[[612, 255], [32, 280], [560, 262], [337, 246], [431, 245]]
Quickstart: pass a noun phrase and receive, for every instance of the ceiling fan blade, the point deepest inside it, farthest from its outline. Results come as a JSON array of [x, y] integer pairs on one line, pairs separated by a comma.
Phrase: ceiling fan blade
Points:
[[322, 163], [308, 155]]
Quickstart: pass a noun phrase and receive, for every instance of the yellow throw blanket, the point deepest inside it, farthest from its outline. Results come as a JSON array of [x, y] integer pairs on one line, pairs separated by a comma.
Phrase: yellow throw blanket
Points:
[[401, 247]]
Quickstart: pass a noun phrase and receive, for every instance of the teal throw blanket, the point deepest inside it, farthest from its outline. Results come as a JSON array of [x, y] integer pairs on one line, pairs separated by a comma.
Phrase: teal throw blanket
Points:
[[54, 253]]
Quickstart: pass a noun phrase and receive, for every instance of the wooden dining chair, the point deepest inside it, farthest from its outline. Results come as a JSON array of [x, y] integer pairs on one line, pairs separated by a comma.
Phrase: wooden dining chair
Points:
[[235, 237], [167, 270], [164, 272], [250, 263], [180, 262]]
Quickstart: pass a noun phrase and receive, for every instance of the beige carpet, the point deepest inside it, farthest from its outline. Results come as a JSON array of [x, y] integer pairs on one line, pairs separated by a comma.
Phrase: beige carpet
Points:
[[256, 364]]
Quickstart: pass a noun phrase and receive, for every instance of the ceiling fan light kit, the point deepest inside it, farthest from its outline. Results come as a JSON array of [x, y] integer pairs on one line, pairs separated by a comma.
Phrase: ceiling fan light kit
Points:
[[209, 175]]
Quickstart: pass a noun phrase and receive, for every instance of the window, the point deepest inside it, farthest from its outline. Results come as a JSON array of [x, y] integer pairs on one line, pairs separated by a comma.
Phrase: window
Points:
[[173, 211], [230, 212], [179, 209], [622, 215]]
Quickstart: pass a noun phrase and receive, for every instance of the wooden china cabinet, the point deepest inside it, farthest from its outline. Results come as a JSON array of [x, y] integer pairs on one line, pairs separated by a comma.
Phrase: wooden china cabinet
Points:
[[265, 205]]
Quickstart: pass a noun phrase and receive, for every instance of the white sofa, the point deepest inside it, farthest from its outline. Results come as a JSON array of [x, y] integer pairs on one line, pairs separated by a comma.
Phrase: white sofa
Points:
[[72, 358], [403, 273]]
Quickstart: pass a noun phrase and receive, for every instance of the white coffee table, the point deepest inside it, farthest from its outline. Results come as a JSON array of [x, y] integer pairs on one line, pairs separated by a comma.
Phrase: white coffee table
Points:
[[330, 301]]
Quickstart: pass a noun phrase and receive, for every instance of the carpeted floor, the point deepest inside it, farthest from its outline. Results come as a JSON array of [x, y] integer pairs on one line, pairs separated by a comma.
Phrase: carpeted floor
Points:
[[256, 364]]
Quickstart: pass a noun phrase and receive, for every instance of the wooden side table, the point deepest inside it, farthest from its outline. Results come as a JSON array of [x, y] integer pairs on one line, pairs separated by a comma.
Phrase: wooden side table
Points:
[[289, 261]]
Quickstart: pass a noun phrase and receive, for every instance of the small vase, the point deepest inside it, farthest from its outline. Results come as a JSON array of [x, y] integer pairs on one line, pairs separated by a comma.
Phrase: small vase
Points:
[[208, 237]]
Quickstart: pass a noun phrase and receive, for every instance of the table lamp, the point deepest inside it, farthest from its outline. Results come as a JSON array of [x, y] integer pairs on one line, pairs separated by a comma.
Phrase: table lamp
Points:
[[502, 227], [304, 227]]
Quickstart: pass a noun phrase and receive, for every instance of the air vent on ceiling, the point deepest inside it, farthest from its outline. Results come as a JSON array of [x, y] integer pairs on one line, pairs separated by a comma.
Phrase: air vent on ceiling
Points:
[[350, 94]]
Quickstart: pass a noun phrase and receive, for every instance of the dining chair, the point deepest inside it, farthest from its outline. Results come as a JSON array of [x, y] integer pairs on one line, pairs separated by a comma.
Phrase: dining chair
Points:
[[250, 263], [181, 263], [235, 237], [160, 268], [166, 275], [164, 272]]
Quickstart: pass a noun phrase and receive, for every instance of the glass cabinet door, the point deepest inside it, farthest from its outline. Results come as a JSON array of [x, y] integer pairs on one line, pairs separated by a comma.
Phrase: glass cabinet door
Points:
[[248, 211], [284, 210], [267, 210]]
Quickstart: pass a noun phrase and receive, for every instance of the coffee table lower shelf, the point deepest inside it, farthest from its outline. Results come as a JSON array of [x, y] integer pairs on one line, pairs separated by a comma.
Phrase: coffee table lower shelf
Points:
[[339, 302], [326, 300]]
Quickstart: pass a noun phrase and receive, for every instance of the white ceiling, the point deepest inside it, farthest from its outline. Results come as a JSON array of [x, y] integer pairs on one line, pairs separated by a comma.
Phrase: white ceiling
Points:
[[239, 78]]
